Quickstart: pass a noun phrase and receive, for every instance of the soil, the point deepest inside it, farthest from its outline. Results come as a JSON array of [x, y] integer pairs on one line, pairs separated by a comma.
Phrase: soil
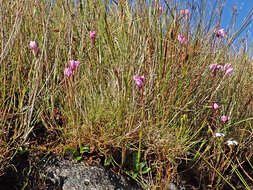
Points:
[[60, 174]]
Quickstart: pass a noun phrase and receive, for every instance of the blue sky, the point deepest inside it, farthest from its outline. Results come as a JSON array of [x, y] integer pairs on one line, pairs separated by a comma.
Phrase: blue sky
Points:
[[243, 8]]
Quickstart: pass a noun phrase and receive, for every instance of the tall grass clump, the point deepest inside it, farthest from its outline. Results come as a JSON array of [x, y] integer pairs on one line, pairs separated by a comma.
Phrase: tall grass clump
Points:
[[156, 91]]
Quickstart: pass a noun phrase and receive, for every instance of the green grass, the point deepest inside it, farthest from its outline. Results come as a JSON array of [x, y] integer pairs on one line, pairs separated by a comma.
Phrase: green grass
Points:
[[153, 133]]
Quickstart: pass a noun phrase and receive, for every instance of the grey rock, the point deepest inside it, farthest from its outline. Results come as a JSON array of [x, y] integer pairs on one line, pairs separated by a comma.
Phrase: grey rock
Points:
[[67, 175]]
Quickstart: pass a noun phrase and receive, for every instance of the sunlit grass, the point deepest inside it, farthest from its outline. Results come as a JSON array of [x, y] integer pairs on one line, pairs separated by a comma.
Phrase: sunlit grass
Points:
[[142, 97]]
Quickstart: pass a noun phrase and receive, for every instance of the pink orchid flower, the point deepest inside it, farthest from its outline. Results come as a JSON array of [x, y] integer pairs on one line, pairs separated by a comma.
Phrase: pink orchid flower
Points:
[[68, 71], [73, 64], [228, 69], [139, 80], [71, 68], [215, 106], [225, 118], [227, 66], [93, 35], [184, 13], [115, 70], [219, 67], [182, 40], [160, 7], [33, 45], [221, 33], [215, 67]]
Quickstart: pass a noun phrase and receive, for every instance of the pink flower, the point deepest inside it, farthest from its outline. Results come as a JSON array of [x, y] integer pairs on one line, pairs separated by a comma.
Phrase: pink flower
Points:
[[72, 67], [227, 66], [160, 8], [221, 33], [73, 64], [225, 118], [77, 63], [215, 67], [115, 70], [215, 106], [68, 71], [181, 39], [219, 67], [139, 80], [93, 35], [33, 45], [228, 69], [184, 13]]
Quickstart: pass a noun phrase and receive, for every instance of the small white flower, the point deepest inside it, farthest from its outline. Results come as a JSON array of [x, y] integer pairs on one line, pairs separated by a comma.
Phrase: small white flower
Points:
[[231, 142], [219, 134]]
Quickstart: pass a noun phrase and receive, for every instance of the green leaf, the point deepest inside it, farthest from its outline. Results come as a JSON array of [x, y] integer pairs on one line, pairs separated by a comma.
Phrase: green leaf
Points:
[[78, 158], [145, 170], [22, 151], [84, 149], [107, 161], [142, 164], [135, 161], [134, 175]]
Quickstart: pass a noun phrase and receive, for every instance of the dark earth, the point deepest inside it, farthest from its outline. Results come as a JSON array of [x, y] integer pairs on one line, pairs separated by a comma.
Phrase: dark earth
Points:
[[52, 173], [49, 172]]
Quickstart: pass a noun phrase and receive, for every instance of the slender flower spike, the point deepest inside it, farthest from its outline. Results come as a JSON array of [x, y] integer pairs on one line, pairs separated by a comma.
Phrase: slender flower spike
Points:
[[182, 40], [221, 33], [225, 118], [231, 142], [33, 45], [139, 80], [219, 135], [93, 35], [68, 71], [215, 106]]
